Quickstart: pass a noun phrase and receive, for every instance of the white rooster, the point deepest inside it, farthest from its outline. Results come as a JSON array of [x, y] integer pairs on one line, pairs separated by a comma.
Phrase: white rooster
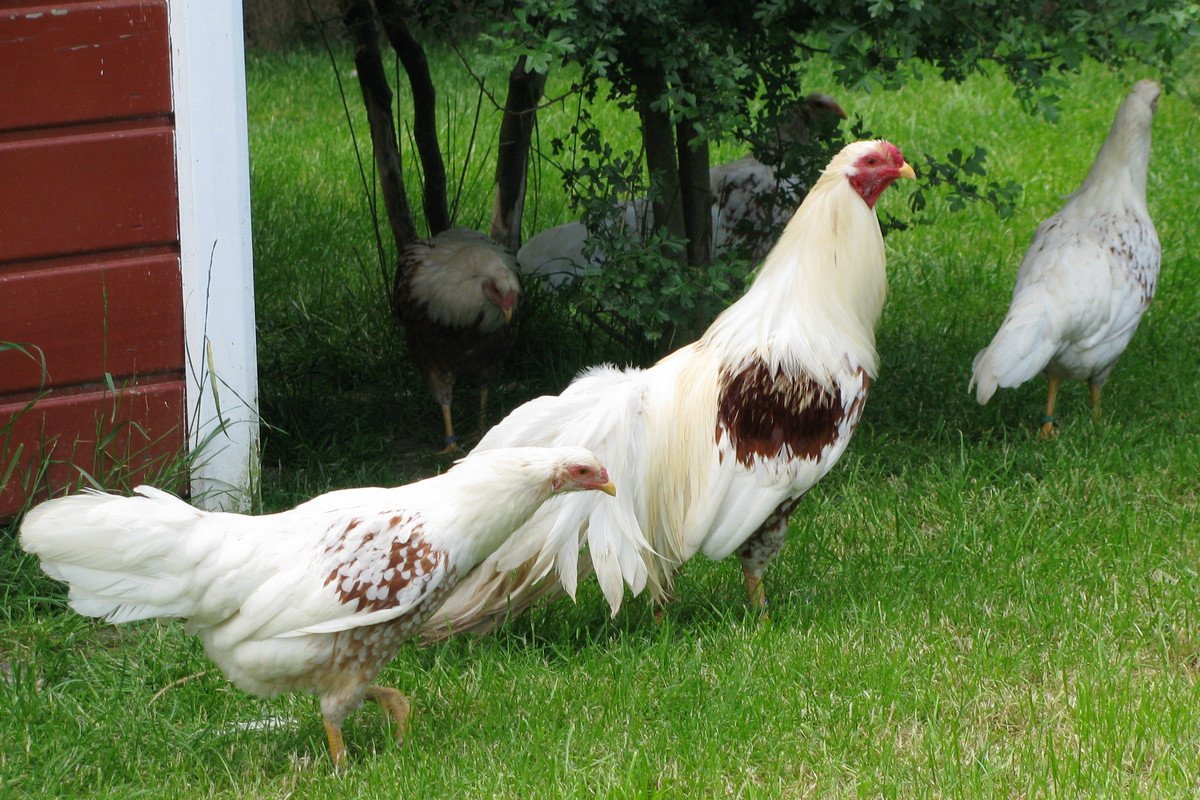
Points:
[[1087, 277], [714, 445], [313, 599], [455, 296]]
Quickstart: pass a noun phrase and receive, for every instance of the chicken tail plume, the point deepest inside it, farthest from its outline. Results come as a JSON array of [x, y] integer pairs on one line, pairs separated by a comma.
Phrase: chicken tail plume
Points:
[[1020, 349], [125, 558]]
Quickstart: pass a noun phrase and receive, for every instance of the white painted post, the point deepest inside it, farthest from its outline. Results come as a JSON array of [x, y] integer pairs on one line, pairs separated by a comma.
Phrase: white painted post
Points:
[[212, 156]]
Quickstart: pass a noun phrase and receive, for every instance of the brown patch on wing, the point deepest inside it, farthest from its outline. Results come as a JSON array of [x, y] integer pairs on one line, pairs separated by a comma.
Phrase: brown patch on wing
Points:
[[372, 574], [763, 413]]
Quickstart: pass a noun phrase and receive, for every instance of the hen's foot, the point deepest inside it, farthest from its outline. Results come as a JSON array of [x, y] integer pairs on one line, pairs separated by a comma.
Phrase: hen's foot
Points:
[[395, 704]]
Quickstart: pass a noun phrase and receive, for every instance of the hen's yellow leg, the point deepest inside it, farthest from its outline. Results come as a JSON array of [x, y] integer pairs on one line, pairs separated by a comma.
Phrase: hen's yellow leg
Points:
[[337, 746], [1051, 396], [451, 440], [1095, 391], [395, 704], [660, 605]]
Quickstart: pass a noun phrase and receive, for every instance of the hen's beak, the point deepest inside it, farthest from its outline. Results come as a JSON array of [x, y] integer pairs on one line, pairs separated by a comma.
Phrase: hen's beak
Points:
[[608, 488], [508, 312], [907, 172]]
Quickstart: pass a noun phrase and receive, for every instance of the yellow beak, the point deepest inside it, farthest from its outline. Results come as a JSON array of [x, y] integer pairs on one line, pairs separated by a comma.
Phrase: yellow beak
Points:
[[508, 312], [907, 172], [609, 489]]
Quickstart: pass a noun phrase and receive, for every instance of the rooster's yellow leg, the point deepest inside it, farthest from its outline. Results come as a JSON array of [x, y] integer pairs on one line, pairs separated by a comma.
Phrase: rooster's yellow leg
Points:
[[395, 704], [1051, 396], [337, 747], [1095, 391], [756, 591], [451, 440]]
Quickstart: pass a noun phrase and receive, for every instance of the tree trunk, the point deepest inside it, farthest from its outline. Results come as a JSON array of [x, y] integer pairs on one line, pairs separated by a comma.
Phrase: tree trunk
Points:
[[359, 19], [512, 157], [696, 193], [412, 56], [658, 137]]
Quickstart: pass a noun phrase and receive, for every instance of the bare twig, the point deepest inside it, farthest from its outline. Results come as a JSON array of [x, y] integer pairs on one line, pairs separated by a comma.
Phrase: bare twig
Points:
[[176, 683]]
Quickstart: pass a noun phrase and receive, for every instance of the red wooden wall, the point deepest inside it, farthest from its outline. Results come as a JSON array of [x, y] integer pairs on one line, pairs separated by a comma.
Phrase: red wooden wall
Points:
[[89, 246]]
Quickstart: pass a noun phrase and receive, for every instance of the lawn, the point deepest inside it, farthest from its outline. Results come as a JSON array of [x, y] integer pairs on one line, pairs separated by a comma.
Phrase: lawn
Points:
[[961, 610]]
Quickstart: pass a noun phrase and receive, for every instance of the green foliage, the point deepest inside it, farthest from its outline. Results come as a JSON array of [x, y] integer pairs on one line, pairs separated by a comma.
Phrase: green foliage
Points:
[[955, 173], [638, 292]]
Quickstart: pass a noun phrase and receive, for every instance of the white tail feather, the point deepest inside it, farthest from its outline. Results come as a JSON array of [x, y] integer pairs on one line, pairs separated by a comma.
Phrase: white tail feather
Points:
[[1021, 348], [125, 558], [602, 410]]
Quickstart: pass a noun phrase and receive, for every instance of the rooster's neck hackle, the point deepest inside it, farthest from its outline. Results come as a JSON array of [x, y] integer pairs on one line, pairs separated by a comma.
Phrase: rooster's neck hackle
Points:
[[819, 293]]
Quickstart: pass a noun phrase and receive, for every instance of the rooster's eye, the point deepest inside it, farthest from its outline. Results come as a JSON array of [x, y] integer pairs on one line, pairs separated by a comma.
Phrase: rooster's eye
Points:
[[872, 161]]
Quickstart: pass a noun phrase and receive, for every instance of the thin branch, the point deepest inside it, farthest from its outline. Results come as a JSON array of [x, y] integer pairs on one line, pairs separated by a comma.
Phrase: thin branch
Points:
[[625, 340], [462, 178]]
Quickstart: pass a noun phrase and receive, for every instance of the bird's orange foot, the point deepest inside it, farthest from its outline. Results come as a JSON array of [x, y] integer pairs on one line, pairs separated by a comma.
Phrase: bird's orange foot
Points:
[[1048, 430], [395, 705], [451, 447]]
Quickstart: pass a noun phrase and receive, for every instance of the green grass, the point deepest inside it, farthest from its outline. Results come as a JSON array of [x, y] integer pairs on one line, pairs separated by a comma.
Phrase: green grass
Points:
[[961, 610]]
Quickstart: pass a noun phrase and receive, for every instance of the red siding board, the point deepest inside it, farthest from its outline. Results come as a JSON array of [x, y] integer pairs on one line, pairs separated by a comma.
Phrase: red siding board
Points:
[[122, 316], [89, 256], [87, 61], [128, 438], [87, 192]]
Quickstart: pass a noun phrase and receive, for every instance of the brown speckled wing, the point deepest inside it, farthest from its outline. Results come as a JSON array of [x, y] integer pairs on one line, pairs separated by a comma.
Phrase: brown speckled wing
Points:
[[382, 562]]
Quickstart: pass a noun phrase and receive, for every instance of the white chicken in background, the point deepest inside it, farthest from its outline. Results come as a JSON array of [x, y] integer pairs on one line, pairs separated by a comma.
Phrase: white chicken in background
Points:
[[715, 444], [749, 203], [1087, 277], [313, 599]]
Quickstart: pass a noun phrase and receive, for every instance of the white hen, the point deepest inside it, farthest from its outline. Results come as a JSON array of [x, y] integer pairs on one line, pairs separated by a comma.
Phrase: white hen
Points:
[[714, 445], [314, 599], [1087, 277]]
